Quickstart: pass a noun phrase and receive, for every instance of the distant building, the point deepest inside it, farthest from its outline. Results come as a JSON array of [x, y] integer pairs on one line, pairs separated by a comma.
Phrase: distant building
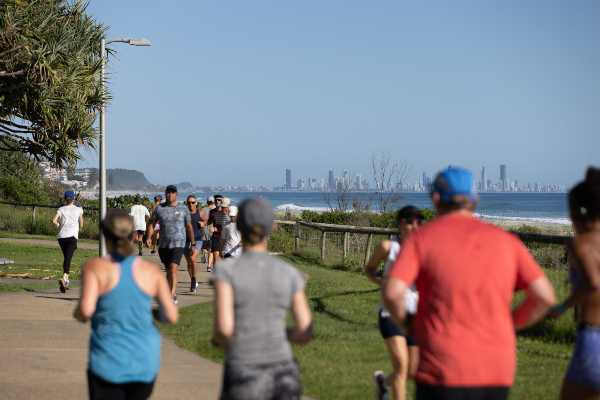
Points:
[[483, 180], [321, 184], [503, 177], [288, 179], [300, 184], [331, 181]]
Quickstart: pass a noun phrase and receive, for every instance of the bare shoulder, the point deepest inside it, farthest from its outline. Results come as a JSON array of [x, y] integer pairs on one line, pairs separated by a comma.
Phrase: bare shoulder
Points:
[[385, 245], [95, 264]]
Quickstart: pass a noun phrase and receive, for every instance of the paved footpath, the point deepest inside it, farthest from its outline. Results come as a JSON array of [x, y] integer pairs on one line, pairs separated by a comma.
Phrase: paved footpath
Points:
[[44, 350]]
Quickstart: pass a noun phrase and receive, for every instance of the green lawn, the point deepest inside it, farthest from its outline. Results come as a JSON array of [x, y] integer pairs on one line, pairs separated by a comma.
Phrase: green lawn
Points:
[[11, 234], [348, 348], [41, 261], [24, 286]]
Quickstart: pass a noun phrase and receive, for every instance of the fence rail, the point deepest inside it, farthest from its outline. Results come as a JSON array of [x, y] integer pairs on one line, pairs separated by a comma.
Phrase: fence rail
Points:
[[348, 230]]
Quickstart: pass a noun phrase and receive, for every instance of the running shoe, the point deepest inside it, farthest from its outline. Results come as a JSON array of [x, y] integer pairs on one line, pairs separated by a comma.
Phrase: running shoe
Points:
[[153, 252], [208, 269], [383, 391], [67, 285], [175, 299], [194, 285], [203, 258], [62, 286], [141, 253]]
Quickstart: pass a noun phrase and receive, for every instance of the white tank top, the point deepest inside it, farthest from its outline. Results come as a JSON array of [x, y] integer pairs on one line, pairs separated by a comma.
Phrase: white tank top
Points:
[[411, 296]]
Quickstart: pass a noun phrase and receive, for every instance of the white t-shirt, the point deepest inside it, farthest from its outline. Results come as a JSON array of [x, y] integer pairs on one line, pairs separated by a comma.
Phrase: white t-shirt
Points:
[[69, 221], [232, 238], [139, 214], [411, 296]]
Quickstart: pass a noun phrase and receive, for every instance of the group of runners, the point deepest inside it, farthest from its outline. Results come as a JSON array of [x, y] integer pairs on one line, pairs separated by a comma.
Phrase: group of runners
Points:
[[445, 313]]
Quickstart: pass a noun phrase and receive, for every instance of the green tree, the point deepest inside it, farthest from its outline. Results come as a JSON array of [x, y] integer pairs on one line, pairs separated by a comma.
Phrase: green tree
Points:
[[111, 180], [93, 177], [50, 86]]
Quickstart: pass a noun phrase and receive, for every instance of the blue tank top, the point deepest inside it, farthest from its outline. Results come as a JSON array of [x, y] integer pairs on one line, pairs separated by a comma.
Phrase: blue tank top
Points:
[[125, 344]]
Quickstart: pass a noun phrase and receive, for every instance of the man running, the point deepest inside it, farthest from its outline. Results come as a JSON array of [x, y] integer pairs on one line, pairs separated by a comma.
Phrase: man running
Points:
[[175, 222], [215, 241], [198, 221], [207, 234], [231, 237], [140, 215], [466, 272]]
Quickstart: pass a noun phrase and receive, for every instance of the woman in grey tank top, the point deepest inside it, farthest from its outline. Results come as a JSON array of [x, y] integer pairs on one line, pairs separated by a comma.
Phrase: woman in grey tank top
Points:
[[252, 296]]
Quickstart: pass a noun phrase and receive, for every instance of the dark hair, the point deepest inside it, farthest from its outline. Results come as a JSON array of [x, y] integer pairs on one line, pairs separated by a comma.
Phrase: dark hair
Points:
[[254, 235], [409, 213], [117, 228], [192, 196], [584, 198], [219, 196], [157, 198]]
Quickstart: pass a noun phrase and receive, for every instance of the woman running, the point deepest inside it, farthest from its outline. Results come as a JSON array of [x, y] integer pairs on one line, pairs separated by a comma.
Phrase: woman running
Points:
[[402, 348], [582, 380], [157, 201], [71, 220], [252, 296], [116, 294]]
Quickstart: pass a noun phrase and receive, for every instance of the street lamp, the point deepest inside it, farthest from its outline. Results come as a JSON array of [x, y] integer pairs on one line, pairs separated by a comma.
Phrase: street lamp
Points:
[[102, 194]]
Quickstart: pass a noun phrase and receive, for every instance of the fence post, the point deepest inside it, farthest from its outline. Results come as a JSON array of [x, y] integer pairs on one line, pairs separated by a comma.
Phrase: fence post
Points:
[[368, 249], [34, 217], [297, 236], [345, 244], [323, 246]]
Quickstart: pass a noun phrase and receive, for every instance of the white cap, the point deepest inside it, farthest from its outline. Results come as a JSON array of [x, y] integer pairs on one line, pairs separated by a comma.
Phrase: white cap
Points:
[[225, 202], [233, 211]]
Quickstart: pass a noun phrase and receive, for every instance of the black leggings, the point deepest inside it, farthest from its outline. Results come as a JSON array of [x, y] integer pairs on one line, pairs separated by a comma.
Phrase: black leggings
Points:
[[101, 390], [68, 247]]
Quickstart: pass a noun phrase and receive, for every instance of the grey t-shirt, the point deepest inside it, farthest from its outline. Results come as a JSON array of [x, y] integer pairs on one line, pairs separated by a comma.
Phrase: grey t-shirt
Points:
[[172, 222], [206, 235], [263, 287]]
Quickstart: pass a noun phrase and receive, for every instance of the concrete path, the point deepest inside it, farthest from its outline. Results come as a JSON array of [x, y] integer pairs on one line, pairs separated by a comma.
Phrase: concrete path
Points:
[[44, 350]]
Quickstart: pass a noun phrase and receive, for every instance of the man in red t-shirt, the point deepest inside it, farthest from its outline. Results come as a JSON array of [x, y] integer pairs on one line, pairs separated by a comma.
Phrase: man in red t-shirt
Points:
[[466, 272]]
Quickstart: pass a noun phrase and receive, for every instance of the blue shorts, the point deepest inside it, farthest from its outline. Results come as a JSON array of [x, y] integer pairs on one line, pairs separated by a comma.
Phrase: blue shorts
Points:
[[584, 368], [198, 245], [388, 328]]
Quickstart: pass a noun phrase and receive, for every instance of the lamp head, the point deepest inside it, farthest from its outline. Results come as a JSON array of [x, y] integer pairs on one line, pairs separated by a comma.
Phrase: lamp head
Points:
[[137, 41]]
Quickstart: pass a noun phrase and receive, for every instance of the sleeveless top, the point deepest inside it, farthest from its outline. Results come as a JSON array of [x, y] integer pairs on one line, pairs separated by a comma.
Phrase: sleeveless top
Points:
[[411, 296], [125, 344]]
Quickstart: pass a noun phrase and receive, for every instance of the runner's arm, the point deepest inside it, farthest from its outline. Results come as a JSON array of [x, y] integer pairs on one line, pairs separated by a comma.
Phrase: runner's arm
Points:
[[586, 266], [380, 255], [202, 222], [150, 233], [55, 219], [81, 221], [540, 297], [224, 313], [167, 311], [392, 295], [90, 289], [302, 332]]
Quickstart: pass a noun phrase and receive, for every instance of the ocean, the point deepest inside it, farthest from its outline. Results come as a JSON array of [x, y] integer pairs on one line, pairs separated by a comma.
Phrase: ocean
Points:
[[531, 208]]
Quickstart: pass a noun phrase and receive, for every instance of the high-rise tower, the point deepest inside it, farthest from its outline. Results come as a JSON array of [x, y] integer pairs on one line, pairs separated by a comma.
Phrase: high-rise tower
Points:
[[483, 180], [331, 178], [503, 177], [288, 179]]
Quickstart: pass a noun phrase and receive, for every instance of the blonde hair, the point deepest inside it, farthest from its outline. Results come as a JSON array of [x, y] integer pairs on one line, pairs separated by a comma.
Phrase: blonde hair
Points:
[[117, 228]]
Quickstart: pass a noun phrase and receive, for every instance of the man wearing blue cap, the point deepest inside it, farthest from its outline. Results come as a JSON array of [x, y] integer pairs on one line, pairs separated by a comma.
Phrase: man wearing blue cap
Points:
[[466, 272]]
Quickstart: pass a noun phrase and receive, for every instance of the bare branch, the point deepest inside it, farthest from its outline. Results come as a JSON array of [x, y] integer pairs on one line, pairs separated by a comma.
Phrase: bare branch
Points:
[[9, 122], [20, 138], [4, 74], [13, 49]]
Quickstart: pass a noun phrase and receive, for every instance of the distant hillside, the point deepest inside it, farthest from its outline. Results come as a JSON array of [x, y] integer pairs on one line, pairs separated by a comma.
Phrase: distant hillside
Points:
[[126, 178], [184, 185]]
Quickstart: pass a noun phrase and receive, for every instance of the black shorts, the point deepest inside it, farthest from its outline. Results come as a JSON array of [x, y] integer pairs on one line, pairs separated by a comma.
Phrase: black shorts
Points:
[[100, 389], [279, 380], [170, 256], [426, 392], [215, 244], [141, 233], [388, 328]]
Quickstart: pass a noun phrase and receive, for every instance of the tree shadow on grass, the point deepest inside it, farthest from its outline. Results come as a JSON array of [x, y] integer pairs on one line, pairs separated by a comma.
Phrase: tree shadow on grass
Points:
[[321, 308]]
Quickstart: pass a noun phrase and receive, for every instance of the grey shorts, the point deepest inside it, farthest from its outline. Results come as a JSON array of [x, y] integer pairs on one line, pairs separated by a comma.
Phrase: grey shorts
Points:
[[277, 381]]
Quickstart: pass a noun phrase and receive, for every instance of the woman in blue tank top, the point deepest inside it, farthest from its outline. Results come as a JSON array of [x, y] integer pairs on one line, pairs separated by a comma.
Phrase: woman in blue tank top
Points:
[[116, 294]]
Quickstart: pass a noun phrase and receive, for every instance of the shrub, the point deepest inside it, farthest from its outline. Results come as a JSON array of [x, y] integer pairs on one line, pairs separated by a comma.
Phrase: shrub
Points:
[[21, 191]]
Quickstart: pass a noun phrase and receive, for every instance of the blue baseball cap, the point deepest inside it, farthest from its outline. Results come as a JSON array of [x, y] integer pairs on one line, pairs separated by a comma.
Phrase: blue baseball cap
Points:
[[455, 182], [69, 193]]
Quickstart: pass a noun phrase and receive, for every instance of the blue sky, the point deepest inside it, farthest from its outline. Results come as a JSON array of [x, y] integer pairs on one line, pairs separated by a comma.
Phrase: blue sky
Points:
[[233, 92]]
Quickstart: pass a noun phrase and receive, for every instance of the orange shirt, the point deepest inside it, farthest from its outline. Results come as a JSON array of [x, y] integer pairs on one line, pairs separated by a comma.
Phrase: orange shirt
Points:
[[466, 272]]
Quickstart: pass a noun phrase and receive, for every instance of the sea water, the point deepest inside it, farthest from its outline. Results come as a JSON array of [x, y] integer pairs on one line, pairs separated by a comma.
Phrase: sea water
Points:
[[531, 208]]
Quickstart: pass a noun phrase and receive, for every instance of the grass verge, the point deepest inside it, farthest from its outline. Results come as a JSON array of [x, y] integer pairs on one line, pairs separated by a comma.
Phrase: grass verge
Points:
[[41, 261], [15, 235], [30, 286], [348, 348]]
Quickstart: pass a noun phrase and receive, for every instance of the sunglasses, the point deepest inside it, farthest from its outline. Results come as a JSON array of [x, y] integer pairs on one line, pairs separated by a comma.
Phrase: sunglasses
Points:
[[191, 202], [218, 200]]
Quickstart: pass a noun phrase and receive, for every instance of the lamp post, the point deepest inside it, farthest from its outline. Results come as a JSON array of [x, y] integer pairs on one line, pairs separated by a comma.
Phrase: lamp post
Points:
[[102, 169]]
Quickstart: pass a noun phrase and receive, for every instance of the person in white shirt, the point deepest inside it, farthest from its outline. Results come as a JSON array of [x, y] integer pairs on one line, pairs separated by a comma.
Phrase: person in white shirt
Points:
[[140, 215], [231, 238], [71, 220]]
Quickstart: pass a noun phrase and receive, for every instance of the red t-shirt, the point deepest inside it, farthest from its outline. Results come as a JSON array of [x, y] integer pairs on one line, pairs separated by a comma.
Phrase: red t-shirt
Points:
[[466, 272]]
